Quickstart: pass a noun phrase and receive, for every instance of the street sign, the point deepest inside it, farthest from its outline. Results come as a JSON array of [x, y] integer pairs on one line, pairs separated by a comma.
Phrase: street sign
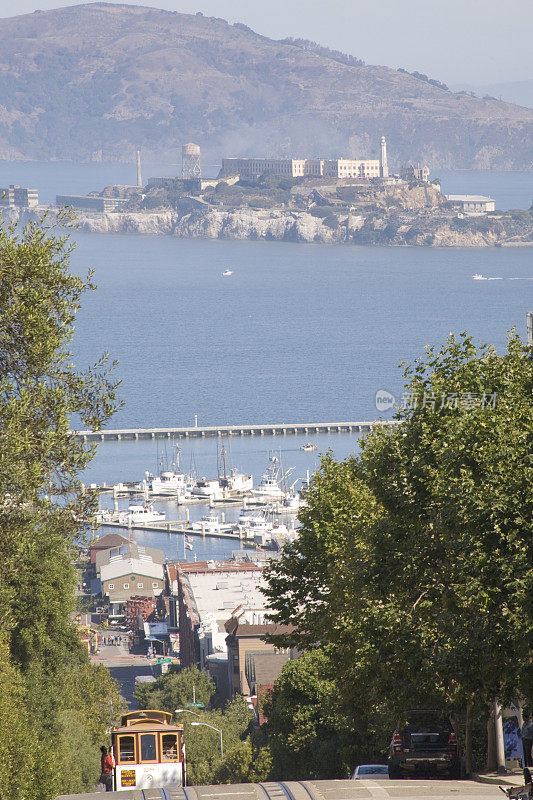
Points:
[[195, 705], [164, 661]]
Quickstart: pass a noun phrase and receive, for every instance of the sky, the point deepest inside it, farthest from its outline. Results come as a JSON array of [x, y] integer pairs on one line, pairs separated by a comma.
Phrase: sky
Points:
[[461, 42]]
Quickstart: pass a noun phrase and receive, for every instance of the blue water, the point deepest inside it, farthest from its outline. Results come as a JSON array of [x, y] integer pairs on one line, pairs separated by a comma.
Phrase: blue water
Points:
[[509, 189], [297, 333]]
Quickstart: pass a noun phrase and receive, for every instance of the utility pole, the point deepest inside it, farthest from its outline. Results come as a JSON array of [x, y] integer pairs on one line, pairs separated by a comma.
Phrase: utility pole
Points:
[[500, 743], [529, 328]]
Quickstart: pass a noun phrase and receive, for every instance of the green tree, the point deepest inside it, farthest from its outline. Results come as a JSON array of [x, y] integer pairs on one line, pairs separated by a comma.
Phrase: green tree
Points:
[[203, 744], [176, 688], [320, 725], [43, 508], [414, 562], [18, 776]]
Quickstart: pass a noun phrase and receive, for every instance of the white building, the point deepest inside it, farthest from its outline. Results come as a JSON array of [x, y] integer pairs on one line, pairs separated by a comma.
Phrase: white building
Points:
[[209, 593], [253, 168], [20, 196], [472, 203], [130, 571]]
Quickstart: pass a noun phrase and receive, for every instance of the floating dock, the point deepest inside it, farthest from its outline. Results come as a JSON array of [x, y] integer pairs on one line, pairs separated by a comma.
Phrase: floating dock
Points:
[[197, 431], [170, 527]]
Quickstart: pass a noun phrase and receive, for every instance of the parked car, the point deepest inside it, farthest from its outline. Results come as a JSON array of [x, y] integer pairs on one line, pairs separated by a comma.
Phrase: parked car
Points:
[[424, 740], [365, 771]]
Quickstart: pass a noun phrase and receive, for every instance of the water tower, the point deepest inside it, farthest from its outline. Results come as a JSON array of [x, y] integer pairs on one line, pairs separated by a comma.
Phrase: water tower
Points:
[[190, 161]]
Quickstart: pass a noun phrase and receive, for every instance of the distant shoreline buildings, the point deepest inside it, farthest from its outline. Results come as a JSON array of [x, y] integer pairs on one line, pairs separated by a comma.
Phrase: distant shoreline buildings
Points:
[[19, 196], [338, 168], [253, 168]]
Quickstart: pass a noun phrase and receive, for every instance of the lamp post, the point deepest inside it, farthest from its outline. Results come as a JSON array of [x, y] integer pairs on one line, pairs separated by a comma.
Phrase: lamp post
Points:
[[186, 711], [213, 729]]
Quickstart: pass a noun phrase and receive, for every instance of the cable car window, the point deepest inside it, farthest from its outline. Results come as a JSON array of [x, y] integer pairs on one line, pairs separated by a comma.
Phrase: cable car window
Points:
[[169, 747], [148, 747], [126, 749]]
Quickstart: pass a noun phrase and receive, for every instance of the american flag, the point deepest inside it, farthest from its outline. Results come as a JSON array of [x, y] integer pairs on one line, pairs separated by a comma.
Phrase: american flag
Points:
[[188, 542]]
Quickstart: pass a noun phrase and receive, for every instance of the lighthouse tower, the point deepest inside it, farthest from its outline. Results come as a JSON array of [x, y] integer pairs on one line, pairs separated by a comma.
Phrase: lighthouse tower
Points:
[[384, 165]]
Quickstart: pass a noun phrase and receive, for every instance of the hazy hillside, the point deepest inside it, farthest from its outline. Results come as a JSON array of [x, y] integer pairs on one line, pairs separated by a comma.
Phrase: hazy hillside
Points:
[[519, 92], [97, 81]]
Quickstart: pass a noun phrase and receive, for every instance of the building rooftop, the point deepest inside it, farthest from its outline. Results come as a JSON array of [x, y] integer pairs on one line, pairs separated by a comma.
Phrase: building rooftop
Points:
[[135, 566], [214, 595], [128, 550], [130, 557], [209, 567], [469, 198], [263, 668], [108, 540]]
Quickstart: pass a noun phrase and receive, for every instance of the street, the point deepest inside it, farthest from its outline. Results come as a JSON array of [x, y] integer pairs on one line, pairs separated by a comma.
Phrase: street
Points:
[[124, 667], [375, 789]]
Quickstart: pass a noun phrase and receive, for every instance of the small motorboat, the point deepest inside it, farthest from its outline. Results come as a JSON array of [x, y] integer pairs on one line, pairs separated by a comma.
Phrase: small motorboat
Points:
[[210, 523], [309, 448], [478, 277], [143, 513], [227, 273]]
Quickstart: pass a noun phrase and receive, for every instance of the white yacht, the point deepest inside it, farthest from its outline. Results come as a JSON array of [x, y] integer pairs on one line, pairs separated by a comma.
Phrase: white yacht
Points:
[[140, 514], [210, 523], [135, 514], [227, 273], [236, 482], [291, 504], [226, 485], [246, 518], [208, 488], [270, 489], [172, 483]]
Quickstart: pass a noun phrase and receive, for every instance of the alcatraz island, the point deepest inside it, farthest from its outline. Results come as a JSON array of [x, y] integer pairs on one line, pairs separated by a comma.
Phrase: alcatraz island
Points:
[[327, 200]]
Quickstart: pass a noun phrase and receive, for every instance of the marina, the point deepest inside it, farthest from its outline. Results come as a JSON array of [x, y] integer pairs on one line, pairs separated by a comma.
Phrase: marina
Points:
[[269, 524]]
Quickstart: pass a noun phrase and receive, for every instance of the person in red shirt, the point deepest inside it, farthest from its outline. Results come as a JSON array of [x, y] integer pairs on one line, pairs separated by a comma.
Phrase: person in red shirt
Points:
[[107, 763]]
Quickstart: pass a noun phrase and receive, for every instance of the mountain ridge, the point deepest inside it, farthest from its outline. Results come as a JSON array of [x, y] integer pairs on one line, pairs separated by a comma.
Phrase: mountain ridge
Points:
[[96, 81]]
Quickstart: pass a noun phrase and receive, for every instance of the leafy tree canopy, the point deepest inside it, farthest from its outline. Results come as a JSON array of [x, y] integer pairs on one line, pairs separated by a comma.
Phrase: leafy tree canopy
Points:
[[54, 689], [414, 560]]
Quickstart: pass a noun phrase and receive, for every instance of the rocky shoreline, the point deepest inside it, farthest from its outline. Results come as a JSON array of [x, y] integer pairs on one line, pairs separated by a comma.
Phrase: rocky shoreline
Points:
[[427, 228]]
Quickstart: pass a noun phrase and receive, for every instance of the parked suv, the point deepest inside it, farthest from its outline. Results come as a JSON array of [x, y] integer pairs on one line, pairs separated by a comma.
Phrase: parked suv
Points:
[[424, 740]]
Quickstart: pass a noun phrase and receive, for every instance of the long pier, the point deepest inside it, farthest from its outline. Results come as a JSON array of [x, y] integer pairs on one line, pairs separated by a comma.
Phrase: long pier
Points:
[[282, 429]]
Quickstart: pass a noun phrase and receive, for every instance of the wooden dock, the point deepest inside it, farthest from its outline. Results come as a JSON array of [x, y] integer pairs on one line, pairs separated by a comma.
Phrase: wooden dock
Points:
[[283, 429], [170, 527]]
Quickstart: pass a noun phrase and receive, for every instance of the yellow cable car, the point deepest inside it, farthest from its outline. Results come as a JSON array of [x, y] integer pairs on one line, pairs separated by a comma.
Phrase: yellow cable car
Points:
[[148, 751]]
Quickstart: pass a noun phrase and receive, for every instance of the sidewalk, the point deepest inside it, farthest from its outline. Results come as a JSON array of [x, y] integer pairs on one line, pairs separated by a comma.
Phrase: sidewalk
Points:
[[117, 654], [513, 777]]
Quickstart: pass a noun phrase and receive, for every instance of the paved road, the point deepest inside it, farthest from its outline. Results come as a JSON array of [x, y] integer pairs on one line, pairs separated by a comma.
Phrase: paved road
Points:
[[378, 789], [374, 789], [124, 667]]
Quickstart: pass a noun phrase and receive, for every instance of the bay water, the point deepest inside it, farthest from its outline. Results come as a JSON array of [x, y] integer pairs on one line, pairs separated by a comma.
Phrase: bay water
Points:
[[298, 333]]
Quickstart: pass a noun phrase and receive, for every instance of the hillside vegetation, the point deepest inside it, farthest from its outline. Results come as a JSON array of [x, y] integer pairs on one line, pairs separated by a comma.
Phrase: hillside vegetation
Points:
[[97, 81]]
